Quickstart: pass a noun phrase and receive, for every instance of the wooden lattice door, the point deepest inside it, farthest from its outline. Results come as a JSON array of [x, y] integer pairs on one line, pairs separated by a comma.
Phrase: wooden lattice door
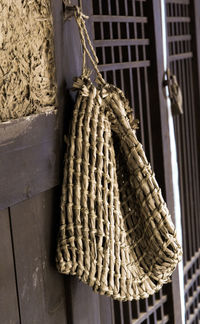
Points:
[[127, 38], [182, 56]]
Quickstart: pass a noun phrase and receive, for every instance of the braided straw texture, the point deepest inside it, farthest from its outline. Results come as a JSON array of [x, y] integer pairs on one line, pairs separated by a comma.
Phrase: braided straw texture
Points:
[[27, 67], [116, 233]]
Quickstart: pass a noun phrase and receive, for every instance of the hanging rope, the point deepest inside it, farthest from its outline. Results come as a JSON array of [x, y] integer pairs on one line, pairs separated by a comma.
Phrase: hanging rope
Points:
[[80, 19]]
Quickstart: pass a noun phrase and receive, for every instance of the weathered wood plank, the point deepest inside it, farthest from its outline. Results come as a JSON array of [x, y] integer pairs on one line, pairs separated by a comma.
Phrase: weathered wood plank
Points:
[[30, 157], [72, 52], [41, 288], [9, 312], [85, 307], [18, 134], [106, 304]]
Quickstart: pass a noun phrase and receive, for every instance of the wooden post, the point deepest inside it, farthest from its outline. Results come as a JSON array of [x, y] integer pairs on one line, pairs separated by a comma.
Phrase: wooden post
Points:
[[195, 28], [158, 65]]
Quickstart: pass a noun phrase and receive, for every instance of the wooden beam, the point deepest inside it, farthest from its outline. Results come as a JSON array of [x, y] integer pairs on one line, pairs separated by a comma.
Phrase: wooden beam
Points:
[[30, 156]]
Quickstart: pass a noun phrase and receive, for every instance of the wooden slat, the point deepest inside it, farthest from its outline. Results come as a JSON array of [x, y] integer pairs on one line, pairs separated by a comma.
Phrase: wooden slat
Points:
[[128, 316], [124, 65], [120, 42], [157, 100], [178, 1], [194, 140], [181, 56], [85, 307], [107, 18], [178, 19], [41, 288], [106, 307], [191, 145], [195, 16], [186, 67], [72, 54], [179, 38], [118, 312], [9, 311]]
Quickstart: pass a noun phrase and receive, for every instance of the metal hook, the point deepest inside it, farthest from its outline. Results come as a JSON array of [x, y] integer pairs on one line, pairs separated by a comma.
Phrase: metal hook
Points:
[[68, 9]]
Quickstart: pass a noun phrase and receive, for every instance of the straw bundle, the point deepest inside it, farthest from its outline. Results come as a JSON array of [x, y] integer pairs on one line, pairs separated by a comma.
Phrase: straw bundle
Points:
[[27, 70], [116, 233]]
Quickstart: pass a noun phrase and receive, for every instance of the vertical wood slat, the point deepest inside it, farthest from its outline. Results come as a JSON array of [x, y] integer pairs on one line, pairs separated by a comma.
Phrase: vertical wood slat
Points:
[[187, 140], [154, 313], [195, 17], [183, 159], [194, 151], [129, 59], [106, 310], [181, 176], [71, 51], [147, 110], [41, 288], [139, 94], [85, 307], [157, 98], [9, 310], [189, 153], [174, 309], [188, 137]]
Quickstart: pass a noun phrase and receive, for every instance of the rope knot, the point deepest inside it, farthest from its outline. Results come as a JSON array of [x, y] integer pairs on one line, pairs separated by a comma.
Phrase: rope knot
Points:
[[78, 13]]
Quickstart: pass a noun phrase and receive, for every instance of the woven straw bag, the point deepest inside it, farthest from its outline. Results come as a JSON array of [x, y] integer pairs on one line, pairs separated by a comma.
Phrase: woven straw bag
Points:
[[116, 233]]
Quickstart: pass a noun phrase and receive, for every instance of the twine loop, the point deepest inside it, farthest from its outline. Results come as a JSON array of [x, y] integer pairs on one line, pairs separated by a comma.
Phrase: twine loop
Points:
[[87, 46]]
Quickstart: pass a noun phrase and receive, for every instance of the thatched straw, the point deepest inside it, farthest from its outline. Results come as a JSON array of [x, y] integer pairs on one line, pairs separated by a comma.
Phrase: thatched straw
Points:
[[116, 233], [27, 69]]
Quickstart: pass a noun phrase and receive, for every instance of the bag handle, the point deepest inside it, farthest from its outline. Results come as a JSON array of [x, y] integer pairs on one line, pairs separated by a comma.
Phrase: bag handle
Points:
[[86, 43]]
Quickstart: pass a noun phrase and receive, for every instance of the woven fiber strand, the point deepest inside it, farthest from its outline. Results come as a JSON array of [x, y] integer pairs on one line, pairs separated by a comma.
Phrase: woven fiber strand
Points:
[[27, 68], [116, 233]]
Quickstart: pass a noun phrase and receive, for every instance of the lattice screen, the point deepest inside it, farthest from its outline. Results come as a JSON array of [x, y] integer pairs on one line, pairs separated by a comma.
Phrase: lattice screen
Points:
[[180, 47], [120, 38], [120, 33]]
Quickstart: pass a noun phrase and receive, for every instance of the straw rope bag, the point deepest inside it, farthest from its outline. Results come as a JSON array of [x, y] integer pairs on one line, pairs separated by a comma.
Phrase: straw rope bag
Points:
[[116, 233]]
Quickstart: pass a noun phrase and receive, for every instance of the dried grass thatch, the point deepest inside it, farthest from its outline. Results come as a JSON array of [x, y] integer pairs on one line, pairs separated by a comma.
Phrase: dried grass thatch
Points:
[[27, 68]]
